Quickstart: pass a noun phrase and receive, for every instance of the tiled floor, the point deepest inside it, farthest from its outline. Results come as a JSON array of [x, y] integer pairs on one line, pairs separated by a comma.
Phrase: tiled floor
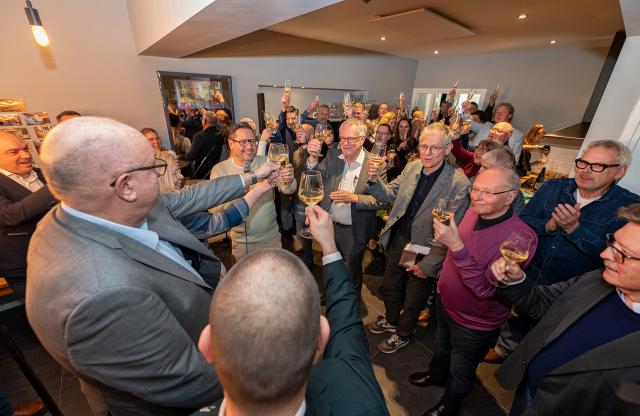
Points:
[[391, 370]]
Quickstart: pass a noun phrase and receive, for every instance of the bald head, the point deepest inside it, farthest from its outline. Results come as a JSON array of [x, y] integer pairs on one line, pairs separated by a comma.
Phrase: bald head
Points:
[[501, 132], [264, 327], [82, 156], [14, 155]]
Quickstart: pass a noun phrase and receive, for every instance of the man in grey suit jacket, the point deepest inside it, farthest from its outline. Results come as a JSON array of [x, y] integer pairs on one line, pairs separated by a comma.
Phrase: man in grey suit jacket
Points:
[[415, 193], [344, 176], [118, 290]]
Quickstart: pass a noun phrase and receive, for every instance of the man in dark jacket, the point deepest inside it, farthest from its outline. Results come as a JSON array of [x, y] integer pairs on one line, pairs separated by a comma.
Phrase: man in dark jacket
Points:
[[206, 146], [265, 360], [588, 335], [24, 199]]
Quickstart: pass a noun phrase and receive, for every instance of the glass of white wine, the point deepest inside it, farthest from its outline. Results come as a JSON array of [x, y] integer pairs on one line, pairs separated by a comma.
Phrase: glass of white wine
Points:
[[515, 249], [278, 154], [378, 154], [287, 87], [310, 193], [441, 212]]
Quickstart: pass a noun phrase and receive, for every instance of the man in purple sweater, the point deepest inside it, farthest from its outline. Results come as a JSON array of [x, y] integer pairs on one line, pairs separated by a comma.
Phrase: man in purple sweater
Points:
[[468, 312]]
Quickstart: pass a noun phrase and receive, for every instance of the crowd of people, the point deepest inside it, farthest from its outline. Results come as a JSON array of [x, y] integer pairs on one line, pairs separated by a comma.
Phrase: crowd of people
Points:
[[124, 292]]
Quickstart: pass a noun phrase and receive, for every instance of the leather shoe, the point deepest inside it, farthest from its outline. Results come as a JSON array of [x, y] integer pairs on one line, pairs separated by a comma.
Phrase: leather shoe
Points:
[[423, 379], [437, 410], [33, 409]]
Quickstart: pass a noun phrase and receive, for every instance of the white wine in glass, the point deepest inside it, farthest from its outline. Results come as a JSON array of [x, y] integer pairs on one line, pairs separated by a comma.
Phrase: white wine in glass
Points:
[[310, 193], [278, 154], [515, 249], [378, 154], [442, 213]]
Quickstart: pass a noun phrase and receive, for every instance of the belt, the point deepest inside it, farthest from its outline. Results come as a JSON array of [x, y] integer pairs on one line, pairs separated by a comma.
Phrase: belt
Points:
[[337, 224]]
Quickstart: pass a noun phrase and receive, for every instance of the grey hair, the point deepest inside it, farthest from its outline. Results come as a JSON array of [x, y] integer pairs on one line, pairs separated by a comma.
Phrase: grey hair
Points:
[[501, 157], [624, 154], [510, 176], [630, 213], [356, 123], [437, 128], [210, 117]]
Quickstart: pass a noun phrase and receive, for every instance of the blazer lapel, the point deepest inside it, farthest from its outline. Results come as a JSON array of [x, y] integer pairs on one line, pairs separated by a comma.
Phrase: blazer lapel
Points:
[[439, 186], [363, 175]]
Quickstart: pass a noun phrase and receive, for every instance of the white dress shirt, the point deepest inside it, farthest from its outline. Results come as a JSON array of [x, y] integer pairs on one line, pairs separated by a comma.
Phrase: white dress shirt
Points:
[[301, 410], [32, 182], [342, 212]]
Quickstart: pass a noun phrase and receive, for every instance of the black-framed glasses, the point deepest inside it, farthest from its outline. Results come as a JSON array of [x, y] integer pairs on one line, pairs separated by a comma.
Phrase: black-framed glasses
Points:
[[350, 140], [159, 168], [618, 255], [479, 191], [595, 167], [245, 143]]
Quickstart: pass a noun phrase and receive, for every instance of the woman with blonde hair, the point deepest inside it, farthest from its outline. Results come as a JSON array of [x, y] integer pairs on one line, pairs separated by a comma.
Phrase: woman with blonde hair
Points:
[[205, 224], [533, 152]]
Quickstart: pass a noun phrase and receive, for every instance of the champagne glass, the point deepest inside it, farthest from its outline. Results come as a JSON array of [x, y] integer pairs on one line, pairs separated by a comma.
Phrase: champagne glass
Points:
[[287, 87], [392, 154], [515, 249], [378, 154], [270, 123], [278, 154], [442, 212], [320, 133], [310, 192]]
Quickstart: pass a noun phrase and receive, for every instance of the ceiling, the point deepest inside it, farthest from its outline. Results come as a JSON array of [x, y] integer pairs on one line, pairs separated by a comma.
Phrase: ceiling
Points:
[[452, 27]]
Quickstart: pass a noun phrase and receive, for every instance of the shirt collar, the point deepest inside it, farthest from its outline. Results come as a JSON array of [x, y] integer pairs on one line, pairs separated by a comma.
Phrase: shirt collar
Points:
[[301, 410], [32, 176], [633, 306]]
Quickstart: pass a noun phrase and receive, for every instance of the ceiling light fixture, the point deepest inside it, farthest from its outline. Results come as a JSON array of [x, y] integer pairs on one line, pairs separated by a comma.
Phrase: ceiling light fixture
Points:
[[553, 42], [522, 16], [39, 34], [383, 38], [436, 52]]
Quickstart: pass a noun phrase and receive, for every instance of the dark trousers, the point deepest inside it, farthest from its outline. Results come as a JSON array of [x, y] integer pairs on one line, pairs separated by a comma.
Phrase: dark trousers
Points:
[[457, 354], [5, 406], [402, 291], [352, 253]]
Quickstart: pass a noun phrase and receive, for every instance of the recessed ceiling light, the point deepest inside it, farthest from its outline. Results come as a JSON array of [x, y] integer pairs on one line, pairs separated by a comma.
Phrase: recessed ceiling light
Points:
[[383, 38], [302, 87], [436, 52], [522, 16], [553, 41]]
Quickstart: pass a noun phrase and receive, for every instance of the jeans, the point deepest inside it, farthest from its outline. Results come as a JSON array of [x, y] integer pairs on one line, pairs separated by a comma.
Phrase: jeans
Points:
[[352, 253], [512, 333], [457, 354], [5, 406], [403, 291]]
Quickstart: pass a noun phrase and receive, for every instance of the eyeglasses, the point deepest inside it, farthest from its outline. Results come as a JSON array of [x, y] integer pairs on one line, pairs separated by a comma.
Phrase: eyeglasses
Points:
[[159, 168], [432, 149], [618, 255], [479, 191], [595, 167], [350, 140], [245, 143]]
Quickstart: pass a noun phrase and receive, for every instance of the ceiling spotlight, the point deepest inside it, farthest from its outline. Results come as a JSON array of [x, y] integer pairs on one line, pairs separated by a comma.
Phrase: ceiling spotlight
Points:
[[39, 34], [522, 16], [383, 38], [553, 42], [436, 52]]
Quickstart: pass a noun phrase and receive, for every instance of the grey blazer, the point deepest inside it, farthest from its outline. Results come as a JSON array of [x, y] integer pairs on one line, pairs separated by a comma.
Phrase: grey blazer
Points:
[[122, 317], [363, 212], [452, 184]]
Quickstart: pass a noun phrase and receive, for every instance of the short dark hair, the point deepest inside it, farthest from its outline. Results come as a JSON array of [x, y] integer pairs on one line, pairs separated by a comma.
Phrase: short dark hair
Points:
[[384, 125], [291, 109], [66, 113], [475, 104], [146, 130], [238, 126], [508, 106], [481, 114]]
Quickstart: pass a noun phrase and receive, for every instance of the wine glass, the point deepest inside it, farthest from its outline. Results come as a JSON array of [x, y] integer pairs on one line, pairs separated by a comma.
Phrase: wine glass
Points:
[[442, 212], [270, 123], [310, 193], [278, 154], [287, 87], [515, 249], [378, 154]]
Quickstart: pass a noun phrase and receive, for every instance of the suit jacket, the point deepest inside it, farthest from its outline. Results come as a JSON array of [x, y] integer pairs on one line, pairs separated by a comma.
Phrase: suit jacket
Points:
[[452, 184], [598, 371], [206, 148], [363, 212], [123, 317], [20, 211], [343, 383]]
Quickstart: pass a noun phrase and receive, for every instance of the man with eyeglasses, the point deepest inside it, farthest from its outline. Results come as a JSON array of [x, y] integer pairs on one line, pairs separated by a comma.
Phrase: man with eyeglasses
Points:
[[571, 218], [118, 290], [260, 230], [587, 340], [344, 175], [414, 195], [468, 312]]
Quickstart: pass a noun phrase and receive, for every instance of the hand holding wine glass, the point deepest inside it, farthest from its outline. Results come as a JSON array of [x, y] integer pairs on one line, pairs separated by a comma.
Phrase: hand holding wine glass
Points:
[[515, 251], [441, 213], [378, 155], [310, 192]]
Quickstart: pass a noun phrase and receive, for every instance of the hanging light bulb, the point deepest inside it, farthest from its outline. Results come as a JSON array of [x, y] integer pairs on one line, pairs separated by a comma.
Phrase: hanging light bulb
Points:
[[39, 34]]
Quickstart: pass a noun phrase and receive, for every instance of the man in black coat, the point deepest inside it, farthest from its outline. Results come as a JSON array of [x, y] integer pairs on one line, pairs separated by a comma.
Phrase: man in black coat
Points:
[[206, 146], [587, 341], [24, 199], [265, 328]]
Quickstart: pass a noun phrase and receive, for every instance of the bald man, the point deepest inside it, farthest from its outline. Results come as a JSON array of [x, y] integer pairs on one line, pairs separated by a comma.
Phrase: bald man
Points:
[[24, 199], [118, 290]]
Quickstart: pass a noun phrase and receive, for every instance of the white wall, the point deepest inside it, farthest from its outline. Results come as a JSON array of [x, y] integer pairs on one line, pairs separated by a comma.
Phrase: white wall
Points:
[[552, 87], [618, 100], [92, 66]]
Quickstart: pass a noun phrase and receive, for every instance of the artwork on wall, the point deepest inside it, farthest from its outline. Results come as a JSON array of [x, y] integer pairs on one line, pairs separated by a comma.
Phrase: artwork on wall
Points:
[[32, 128]]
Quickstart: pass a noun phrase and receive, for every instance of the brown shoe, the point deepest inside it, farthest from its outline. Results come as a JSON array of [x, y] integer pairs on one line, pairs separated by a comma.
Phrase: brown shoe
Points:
[[493, 357], [33, 409], [423, 319]]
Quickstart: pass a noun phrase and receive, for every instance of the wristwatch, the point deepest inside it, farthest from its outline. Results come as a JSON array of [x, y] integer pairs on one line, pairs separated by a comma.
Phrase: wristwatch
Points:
[[254, 178]]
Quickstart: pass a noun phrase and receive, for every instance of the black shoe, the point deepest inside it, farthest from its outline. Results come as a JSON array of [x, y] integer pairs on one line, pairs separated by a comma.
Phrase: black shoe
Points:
[[423, 379], [438, 410]]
